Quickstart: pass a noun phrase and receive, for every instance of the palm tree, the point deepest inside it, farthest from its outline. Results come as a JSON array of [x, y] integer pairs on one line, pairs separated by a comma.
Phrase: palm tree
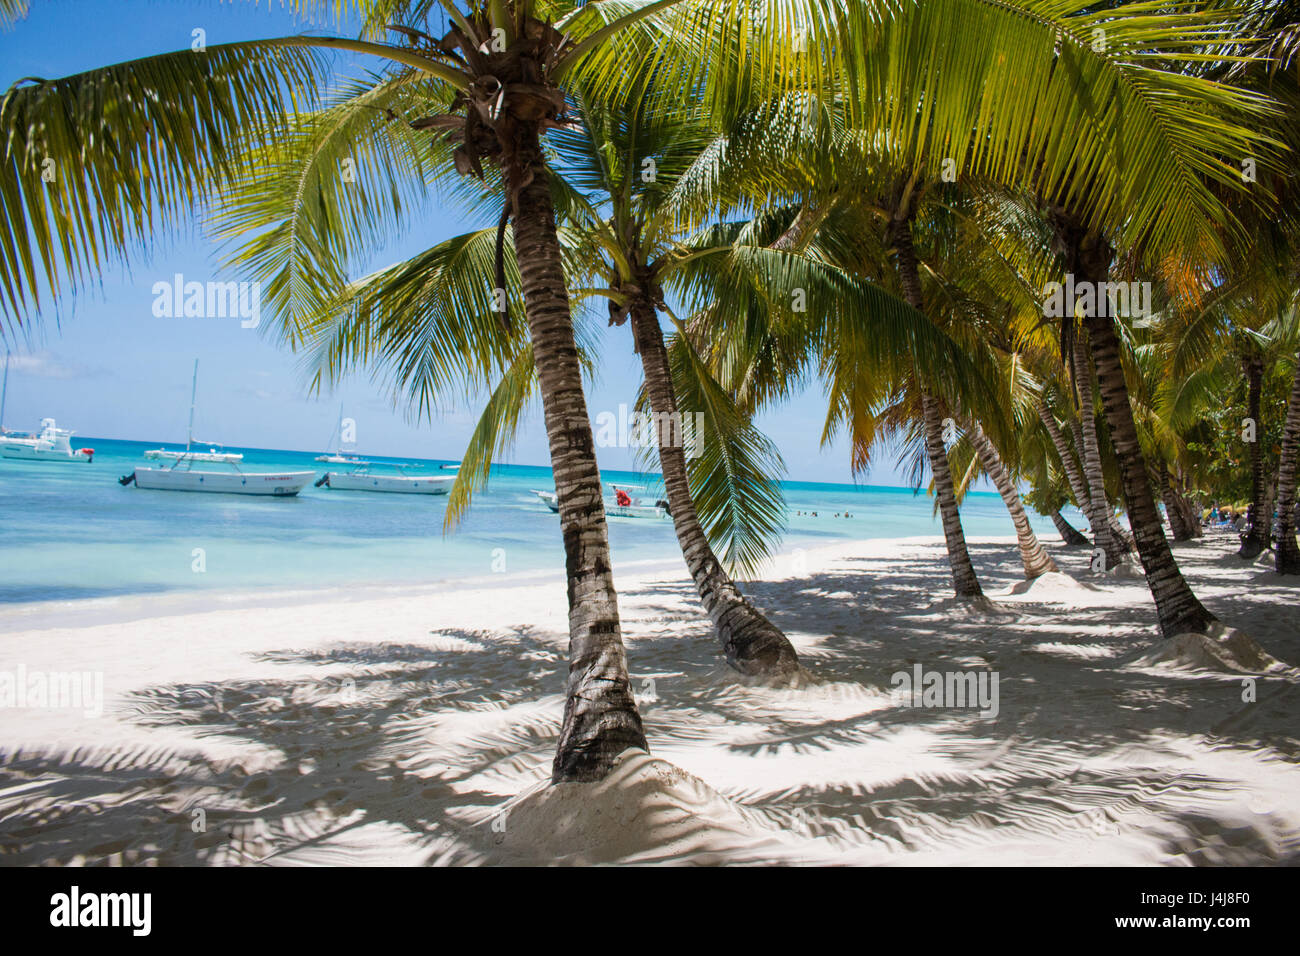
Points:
[[620, 242], [1234, 328], [1033, 557], [636, 246], [502, 67], [1160, 198], [1287, 556], [1100, 515]]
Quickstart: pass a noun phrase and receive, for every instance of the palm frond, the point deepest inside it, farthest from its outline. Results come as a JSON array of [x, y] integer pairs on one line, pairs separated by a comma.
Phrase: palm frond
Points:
[[93, 164], [733, 479]]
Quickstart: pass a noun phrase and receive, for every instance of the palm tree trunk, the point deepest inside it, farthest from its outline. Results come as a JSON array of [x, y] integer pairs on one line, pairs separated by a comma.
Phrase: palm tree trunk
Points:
[[1035, 559], [1068, 463], [600, 715], [1069, 533], [753, 645], [964, 581], [1177, 608], [1188, 508], [1258, 520], [1173, 511], [1100, 516], [1287, 552]]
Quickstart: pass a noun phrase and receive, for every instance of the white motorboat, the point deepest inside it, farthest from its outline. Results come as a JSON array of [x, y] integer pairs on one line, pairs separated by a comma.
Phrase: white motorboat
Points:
[[363, 478], [621, 504], [181, 475], [51, 444]]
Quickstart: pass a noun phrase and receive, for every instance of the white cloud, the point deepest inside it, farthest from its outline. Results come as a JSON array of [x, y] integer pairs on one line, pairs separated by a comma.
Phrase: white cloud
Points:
[[49, 365]]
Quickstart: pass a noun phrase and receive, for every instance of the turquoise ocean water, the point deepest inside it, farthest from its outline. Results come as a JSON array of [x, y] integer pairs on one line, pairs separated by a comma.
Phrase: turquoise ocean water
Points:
[[71, 532]]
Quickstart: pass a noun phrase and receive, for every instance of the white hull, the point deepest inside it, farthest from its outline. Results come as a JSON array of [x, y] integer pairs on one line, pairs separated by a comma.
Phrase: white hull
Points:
[[633, 511], [280, 484], [612, 509], [52, 444], [397, 484], [162, 454], [36, 452]]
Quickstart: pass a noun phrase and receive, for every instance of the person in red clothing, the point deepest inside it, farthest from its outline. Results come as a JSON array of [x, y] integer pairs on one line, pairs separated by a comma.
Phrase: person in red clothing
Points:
[[622, 497]]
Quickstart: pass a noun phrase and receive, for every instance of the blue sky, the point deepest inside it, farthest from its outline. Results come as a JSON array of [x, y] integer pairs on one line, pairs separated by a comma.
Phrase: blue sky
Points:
[[109, 368]]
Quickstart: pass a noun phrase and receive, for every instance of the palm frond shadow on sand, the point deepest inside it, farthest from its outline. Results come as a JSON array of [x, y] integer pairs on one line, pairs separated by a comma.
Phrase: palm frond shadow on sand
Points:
[[404, 752]]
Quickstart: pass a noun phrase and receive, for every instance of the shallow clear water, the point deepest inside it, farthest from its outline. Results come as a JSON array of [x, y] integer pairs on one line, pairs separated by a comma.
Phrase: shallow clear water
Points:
[[71, 531]]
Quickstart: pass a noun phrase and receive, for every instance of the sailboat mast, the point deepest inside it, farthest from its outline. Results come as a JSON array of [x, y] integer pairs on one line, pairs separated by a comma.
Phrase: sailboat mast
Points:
[[194, 390]]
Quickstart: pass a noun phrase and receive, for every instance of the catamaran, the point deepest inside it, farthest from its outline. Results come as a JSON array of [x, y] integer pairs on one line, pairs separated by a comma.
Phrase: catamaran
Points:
[[51, 444], [181, 475], [166, 454], [363, 478], [211, 455], [621, 504], [336, 457]]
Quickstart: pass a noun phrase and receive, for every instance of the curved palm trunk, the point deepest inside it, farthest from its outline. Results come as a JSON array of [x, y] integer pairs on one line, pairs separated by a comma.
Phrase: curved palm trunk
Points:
[[1069, 533], [1100, 516], [1068, 463], [753, 644], [1117, 532], [1257, 534], [964, 581], [600, 715], [1035, 559], [1177, 608], [1287, 554]]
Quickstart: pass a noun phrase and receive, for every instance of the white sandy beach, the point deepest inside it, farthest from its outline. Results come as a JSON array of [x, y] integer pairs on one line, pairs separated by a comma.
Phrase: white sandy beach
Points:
[[417, 726]]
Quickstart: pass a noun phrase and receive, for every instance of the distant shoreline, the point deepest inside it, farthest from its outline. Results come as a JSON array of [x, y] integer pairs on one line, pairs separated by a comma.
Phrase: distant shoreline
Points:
[[19, 616], [542, 469]]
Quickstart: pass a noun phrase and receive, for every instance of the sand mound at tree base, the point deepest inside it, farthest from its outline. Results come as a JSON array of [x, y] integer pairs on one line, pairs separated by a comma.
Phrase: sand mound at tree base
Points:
[[1222, 649], [1126, 570], [645, 811], [967, 608], [1053, 585]]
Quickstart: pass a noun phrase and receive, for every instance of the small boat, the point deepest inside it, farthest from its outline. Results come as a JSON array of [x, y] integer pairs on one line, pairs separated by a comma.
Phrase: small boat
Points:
[[181, 475], [163, 454], [362, 478], [337, 457], [211, 455], [622, 504], [51, 444]]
